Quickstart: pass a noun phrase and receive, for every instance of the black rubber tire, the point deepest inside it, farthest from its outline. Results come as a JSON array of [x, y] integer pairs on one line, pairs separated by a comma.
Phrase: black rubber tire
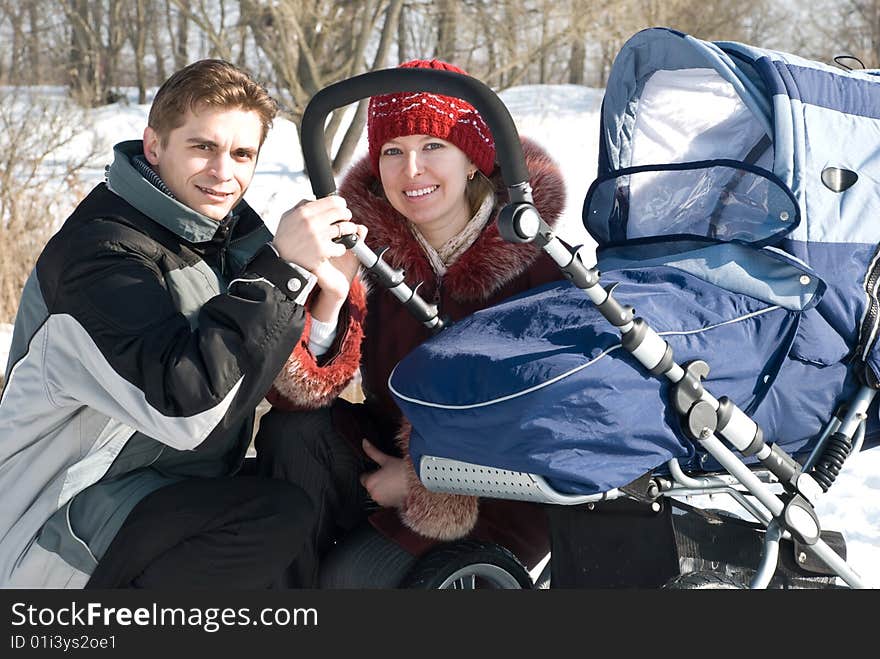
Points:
[[477, 564], [365, 559], [704, 581]]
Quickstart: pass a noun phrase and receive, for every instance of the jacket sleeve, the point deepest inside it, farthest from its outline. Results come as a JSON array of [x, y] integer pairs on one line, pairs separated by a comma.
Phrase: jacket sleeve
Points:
[[435, 515], [121, 344], [307, 383]]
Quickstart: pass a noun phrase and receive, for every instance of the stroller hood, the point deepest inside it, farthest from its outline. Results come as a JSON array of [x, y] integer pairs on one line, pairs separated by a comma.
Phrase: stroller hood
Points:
[[793, 125]]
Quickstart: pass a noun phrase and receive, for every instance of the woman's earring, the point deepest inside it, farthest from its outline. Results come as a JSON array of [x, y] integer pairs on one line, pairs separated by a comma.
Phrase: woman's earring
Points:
[[471, 175]]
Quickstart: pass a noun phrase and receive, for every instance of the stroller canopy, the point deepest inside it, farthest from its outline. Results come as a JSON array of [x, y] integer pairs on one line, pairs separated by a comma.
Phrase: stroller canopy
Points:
[[733, 209]]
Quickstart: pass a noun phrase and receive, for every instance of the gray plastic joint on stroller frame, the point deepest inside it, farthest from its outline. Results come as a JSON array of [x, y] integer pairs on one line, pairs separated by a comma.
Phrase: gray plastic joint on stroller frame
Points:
[[520, 192], [724, 413], [633, 339], [614, 312], [701, 420], [801, 520], [583, 277], [689, 389], [756, 444], [520, 222]]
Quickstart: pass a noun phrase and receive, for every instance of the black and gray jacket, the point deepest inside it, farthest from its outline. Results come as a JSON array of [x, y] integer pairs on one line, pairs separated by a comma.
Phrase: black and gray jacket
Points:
[[146, 336]]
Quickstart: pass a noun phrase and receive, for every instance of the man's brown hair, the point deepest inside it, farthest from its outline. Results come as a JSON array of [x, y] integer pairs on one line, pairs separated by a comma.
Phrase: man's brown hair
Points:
[[212, 83]]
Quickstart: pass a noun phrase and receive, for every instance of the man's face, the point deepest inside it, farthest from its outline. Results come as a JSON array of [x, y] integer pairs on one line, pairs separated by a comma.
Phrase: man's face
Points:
[[209, 161]]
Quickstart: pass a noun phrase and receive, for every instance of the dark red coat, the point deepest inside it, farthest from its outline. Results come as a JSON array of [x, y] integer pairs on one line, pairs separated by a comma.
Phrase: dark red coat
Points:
[[490, 271]]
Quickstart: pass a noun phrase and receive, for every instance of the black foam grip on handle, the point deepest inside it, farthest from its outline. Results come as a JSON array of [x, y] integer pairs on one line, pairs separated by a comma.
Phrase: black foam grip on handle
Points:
[[387, 81]]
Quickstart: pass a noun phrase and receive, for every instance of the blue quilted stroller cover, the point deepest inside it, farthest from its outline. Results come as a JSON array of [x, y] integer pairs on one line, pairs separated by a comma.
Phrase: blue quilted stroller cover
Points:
[[735, 211]]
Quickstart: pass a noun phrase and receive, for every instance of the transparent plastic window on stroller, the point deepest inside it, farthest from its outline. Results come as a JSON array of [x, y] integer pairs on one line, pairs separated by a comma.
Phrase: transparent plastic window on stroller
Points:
[[730, 347]]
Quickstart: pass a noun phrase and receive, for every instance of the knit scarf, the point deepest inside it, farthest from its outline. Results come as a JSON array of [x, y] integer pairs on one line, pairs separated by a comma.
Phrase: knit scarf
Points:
[[440, 259]]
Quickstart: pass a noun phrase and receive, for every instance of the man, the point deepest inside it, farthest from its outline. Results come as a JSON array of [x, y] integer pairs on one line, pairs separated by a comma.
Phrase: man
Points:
[[153, 324]]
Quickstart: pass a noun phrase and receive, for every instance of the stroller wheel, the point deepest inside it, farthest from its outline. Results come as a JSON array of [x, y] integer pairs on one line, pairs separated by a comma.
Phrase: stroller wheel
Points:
[[703, 581], [468, 565]]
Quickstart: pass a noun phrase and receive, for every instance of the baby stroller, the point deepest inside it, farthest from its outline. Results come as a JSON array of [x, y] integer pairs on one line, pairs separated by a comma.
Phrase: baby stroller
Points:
[[728, 210]]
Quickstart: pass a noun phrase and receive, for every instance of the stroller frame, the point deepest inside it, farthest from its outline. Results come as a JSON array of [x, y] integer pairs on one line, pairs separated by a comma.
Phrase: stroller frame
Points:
[[794, 517], [706, 418]]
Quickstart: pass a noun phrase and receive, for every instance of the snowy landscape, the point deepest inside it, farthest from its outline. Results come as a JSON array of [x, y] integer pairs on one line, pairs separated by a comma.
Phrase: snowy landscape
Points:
[[565, 120]]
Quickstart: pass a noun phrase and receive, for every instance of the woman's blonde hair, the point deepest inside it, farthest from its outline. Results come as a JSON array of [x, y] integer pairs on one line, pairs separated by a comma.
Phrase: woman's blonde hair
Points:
[[477, 189]]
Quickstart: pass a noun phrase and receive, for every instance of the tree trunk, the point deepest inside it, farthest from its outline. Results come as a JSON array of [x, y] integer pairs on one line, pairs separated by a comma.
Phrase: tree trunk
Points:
[[16, 20], [158, 51], [446, 28], [576, 59], [542, 71], [138, 35], [402, 37], [82, 69], [181, 50], [352, 135]]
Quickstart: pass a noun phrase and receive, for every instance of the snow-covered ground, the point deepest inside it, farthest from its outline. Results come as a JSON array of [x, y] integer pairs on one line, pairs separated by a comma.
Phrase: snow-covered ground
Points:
[[563, 118]]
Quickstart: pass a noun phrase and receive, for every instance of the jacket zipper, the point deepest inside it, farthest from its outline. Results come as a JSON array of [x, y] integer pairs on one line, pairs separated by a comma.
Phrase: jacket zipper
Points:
[[224, 237]]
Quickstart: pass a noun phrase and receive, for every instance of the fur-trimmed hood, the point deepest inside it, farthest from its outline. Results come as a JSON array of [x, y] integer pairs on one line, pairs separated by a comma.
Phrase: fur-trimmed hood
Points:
[[489, 263]]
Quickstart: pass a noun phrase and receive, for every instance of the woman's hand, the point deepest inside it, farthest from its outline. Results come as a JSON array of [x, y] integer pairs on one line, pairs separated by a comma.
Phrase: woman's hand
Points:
[[388, 485]]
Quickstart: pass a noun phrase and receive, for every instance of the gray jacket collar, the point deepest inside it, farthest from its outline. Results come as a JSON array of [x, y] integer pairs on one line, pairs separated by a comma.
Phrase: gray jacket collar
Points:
[[124, 180]]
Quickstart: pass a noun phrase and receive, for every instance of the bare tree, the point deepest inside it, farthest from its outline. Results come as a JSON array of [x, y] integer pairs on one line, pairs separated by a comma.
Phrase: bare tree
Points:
[[26, 31], [135, 18], [96, 39], [447, 28], [41, 180], [849, 27], [177, 25], [349, 142], [217, 21], [325, 41]]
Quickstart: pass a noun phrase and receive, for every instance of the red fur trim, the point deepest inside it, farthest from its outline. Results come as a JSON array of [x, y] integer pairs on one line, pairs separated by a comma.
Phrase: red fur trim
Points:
[[302, 382], [434, 514], [489, 263]]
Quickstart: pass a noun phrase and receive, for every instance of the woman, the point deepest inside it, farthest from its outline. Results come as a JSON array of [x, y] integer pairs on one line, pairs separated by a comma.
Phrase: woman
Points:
[[429, 190]]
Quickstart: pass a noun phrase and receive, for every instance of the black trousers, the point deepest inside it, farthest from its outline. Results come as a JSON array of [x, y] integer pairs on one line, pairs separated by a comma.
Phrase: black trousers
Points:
[[241, 532], [305, 449]]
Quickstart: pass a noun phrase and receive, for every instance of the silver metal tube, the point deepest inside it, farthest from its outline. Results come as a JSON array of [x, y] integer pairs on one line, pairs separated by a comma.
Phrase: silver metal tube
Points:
[[730, 462], [558, 252], [675, 374], [740, 430], [749, 506], [840, 566], [365, 255], [770, 559], [832, 426], [681, 477], [859, 439], [743, 474], [857, 411], [706, 485], [651, 350]]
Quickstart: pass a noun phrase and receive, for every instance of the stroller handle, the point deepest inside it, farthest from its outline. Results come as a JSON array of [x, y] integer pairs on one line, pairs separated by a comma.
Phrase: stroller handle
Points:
[[386, 81], [507, 147]]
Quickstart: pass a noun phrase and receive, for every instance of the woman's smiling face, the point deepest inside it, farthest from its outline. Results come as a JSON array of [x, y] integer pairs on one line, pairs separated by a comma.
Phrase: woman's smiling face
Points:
[[425, 179]]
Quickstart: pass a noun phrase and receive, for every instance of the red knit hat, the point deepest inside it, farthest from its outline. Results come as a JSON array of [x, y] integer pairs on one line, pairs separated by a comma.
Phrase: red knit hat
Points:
[[422, 113]]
